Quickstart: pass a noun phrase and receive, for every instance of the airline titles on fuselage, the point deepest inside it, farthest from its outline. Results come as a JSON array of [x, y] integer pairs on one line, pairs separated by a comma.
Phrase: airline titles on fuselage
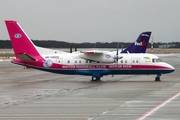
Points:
[[95, 66]]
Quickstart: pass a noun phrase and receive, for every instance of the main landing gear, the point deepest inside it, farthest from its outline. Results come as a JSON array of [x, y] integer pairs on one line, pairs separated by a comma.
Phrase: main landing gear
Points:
[[94, 78], [158, 78]]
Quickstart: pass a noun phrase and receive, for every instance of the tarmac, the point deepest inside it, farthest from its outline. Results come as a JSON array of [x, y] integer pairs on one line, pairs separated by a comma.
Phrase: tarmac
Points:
[[29, 94]]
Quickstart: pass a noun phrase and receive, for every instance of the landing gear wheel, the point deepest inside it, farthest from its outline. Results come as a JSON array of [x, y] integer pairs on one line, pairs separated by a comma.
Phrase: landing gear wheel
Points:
[[157, 79], [95, 78]]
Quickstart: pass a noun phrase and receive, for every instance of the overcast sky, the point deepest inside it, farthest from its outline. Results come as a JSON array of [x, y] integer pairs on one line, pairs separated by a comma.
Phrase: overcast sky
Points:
[[93, 20]]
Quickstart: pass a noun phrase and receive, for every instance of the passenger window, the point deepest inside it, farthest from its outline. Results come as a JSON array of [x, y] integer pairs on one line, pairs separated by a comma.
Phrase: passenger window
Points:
[[136, 61], [133, 61], [79, 61], [86, 61], [68, 61], [75, 61], [159, 60], [121, 61], [125, 61]]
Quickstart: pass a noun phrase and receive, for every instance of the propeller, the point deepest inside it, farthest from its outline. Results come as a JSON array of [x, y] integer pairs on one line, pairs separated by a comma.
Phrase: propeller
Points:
[[75, 47], [117, 53], [70, 48], [117, 56]]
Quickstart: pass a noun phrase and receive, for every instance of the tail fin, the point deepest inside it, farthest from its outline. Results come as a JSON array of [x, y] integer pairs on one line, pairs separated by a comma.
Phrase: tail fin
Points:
[[21, 43], [140, 45]]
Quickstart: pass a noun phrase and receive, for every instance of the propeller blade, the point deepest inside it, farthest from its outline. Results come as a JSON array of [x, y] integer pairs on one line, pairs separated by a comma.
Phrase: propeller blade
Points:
[[117, 53]]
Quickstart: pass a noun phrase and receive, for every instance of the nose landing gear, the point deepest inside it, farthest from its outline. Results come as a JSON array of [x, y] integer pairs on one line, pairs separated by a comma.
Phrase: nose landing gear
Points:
[[158, 78]]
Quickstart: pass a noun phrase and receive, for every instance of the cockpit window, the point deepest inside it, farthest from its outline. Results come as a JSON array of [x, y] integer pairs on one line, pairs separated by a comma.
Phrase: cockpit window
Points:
[[156, 60]]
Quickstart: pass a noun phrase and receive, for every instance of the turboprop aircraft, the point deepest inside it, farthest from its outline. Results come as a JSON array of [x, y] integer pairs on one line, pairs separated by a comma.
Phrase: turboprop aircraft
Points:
[[89, 63]]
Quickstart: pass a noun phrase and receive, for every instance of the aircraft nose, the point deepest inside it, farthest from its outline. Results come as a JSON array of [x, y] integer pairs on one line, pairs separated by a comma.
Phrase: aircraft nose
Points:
[[171, 68]]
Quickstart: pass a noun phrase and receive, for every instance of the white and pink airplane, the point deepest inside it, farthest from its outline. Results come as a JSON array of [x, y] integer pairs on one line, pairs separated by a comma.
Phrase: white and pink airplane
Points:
[[91, 63]]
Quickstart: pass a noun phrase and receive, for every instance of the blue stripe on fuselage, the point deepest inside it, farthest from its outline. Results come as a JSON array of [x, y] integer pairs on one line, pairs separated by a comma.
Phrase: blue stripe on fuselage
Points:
[[106, 72]]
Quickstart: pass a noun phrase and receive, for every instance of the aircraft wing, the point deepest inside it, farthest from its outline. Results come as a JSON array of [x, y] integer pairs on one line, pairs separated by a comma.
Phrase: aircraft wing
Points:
[[93, 52], [100, 56]]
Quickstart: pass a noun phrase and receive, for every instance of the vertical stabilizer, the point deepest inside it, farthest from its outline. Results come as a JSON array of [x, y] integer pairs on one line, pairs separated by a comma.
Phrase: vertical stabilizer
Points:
[[21, 43], [140, 45]]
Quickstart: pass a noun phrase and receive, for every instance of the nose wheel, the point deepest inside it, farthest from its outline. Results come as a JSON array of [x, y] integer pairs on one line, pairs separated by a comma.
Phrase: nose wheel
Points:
[[158, 77]]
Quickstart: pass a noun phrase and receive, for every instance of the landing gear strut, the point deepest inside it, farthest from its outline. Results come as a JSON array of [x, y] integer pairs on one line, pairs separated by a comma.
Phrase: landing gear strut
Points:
[[158, 77]]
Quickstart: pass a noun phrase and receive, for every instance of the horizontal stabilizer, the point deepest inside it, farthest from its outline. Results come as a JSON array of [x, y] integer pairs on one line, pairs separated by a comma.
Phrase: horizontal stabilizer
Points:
[[26, 58]]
